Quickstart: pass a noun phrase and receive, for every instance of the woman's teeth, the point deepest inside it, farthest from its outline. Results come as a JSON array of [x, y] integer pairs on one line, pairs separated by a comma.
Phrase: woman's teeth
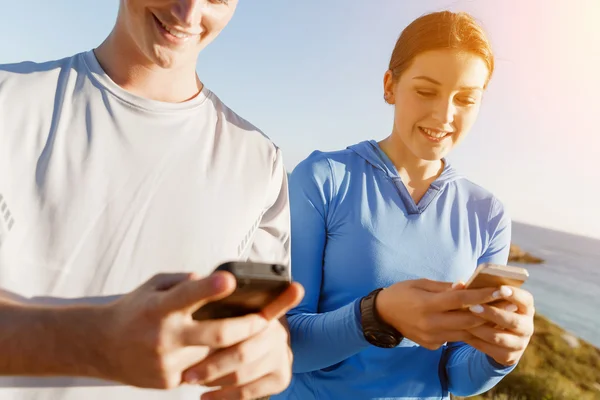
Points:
[[434, 134]]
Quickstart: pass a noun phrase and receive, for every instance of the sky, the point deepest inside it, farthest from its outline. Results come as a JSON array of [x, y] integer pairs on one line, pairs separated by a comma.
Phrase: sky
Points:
[[309, 74]]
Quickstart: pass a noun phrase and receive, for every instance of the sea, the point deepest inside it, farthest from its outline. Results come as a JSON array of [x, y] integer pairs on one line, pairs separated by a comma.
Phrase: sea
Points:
[[566, 287]]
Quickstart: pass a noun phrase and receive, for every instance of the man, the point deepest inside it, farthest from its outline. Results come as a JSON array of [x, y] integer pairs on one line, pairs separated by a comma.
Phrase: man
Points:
[[116, 165]]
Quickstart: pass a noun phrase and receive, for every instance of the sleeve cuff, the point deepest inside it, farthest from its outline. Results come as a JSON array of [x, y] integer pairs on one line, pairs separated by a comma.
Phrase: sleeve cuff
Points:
[[498, 368], [357, 321]]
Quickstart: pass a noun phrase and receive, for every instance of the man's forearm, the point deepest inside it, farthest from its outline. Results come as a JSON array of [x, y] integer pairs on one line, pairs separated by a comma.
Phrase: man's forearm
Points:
[[52, 340]]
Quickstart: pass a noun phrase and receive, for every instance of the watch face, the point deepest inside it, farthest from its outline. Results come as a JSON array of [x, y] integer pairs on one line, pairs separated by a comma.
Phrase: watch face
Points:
[[382, 339]]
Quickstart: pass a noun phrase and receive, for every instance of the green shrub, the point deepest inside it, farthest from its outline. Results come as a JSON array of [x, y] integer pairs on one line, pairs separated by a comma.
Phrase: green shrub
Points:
[[551, 370]]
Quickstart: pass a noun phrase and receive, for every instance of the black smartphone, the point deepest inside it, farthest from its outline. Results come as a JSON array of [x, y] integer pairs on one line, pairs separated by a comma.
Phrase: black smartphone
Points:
[[258, 284]]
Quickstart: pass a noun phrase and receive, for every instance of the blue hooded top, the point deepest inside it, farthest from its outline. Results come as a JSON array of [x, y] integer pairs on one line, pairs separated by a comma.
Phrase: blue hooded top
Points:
[[356, 228]]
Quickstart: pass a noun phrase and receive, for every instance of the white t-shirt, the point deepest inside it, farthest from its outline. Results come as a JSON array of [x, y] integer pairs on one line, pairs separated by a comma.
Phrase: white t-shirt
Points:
[[101, 189]]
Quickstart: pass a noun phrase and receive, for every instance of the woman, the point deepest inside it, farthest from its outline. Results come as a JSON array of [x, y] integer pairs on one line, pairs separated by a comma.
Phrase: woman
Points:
[[396, 215]]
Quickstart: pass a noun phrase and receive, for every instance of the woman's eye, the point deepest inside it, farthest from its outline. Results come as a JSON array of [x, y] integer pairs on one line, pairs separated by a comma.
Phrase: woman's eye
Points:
[[466, 100], [425, 93]]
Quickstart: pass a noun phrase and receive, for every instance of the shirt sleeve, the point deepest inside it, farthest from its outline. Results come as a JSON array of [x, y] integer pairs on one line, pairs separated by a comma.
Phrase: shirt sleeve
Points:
[[271, 242], [468, 370], [318, 339]]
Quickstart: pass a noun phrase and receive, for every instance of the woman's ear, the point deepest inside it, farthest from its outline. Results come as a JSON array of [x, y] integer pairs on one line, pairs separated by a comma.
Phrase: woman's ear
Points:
[[388, 87]]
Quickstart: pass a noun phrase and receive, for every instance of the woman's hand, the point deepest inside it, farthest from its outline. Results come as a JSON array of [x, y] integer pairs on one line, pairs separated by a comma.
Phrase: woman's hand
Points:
[[510, 326], [430, 313]]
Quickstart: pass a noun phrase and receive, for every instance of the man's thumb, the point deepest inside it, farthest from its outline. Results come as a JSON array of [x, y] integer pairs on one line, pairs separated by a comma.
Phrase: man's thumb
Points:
[[194, 293]]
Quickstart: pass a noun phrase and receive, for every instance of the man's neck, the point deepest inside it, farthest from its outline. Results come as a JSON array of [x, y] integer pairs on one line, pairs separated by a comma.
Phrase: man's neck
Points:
[[127, 67]]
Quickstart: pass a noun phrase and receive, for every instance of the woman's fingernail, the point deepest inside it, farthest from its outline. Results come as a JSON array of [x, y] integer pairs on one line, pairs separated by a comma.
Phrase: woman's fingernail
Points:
[[511, 308], [456, 284], [476, 309], [504, 291]]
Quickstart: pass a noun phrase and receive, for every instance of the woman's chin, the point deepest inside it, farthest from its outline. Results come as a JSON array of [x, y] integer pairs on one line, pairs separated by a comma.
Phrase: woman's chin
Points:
[[428, 155]]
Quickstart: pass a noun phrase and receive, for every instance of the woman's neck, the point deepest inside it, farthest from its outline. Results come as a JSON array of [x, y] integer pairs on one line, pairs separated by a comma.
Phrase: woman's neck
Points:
[[416, 173]]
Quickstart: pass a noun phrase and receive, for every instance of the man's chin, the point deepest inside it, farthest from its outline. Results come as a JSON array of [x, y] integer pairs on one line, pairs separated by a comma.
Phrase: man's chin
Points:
[[167, 58]]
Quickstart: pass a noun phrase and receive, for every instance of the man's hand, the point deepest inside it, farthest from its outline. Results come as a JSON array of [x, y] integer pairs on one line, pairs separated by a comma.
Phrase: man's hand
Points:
[[510, 326], [152, 338], [257, 367], [431, 313]]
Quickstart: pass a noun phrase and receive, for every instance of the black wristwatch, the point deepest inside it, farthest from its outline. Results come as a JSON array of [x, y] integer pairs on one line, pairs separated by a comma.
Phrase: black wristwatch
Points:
[[377, 332]]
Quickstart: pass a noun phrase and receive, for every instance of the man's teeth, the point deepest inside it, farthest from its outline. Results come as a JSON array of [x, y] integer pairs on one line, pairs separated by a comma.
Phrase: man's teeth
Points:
[[175, 33], [434, 134]]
